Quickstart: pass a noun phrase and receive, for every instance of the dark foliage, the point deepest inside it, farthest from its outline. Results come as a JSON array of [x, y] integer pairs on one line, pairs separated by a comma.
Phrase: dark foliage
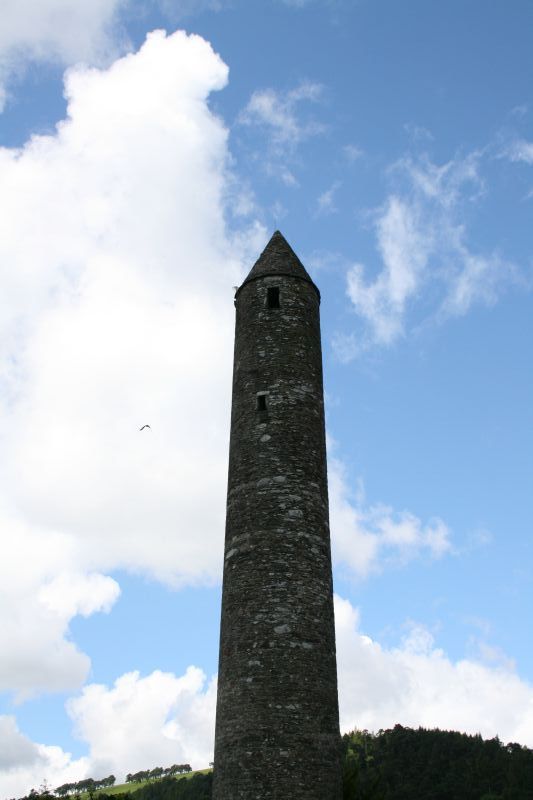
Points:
[[196, 788], [402, 764]]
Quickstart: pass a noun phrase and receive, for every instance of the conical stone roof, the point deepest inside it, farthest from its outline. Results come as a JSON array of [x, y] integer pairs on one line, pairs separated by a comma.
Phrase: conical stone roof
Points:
[[278, 258]]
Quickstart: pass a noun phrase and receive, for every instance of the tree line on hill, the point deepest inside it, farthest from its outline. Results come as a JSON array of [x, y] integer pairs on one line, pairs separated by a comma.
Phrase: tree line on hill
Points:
[[86, 785], [90, 785], [403, 763], [395, 764], [157, 772]]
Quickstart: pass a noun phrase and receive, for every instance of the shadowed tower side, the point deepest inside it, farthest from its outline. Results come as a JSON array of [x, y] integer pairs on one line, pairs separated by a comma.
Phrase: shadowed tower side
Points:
[[277, 728]]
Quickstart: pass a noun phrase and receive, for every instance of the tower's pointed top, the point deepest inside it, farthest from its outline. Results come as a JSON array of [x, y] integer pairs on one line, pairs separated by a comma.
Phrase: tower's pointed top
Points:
[[278, 258]]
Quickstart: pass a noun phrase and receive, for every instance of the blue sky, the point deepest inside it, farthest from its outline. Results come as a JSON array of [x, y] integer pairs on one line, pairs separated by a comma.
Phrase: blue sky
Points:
[[392, 143]]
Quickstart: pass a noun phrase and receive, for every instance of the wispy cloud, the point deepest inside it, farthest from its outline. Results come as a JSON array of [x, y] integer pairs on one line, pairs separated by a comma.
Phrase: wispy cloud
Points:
[[520, 110], [368, 538], [282, 119], [520, 150], [423, 245], [326, 201], [404, 249], [279, 112], [352, 152], [417, 133]]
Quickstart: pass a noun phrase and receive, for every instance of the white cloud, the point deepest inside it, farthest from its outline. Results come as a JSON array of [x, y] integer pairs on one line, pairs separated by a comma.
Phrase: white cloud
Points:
[[25, 765], [278, 111], [279, 115], [64, 31], [479, 280], [326, 201], [417, 133], [37, 654], [352, 152], [71, 594], [423, 246], [416, 684], [521, 150], [365, 539], [17, 750], [36, 610], [144, 721], [138, 722], [116, 310], [404, 248]]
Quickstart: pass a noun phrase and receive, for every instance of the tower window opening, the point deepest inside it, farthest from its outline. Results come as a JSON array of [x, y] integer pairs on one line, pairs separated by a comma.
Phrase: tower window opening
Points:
[[273, 297], [261, 402]]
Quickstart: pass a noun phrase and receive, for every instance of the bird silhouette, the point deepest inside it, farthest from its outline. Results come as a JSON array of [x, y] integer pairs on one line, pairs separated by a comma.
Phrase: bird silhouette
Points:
[[144, 426]]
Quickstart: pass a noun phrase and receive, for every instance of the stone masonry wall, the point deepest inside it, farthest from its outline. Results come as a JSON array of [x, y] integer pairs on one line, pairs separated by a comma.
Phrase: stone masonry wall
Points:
[[277, 730]]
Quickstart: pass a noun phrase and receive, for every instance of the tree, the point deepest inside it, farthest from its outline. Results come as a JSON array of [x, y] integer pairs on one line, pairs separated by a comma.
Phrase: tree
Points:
[[64, 789], [350, 776]]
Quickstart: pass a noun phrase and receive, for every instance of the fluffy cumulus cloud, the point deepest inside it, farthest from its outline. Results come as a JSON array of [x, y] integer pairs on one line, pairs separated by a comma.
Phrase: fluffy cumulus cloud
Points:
[[158, 719], [36, 612], [17, 750], [25, 764], [66, 31], [116, 311], [139, 722], [366, 539], [417, 684], [425, 256]]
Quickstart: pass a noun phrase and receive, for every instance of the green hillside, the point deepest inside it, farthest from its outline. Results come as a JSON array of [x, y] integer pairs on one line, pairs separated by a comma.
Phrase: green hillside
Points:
[[124, 788]]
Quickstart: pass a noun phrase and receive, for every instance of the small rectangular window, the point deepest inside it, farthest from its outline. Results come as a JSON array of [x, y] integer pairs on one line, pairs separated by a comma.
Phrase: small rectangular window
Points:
[[273, 297], [261, 402]]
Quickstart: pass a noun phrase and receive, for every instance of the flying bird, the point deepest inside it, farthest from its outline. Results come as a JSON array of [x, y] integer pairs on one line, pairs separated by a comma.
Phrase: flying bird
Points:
[[144, 426]]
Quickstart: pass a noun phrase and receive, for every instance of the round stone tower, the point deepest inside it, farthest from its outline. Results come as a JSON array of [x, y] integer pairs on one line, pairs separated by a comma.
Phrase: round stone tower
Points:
[[277, 727]]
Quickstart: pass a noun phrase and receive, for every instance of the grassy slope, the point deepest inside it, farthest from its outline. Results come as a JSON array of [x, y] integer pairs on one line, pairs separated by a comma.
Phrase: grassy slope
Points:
[[132, 787]]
